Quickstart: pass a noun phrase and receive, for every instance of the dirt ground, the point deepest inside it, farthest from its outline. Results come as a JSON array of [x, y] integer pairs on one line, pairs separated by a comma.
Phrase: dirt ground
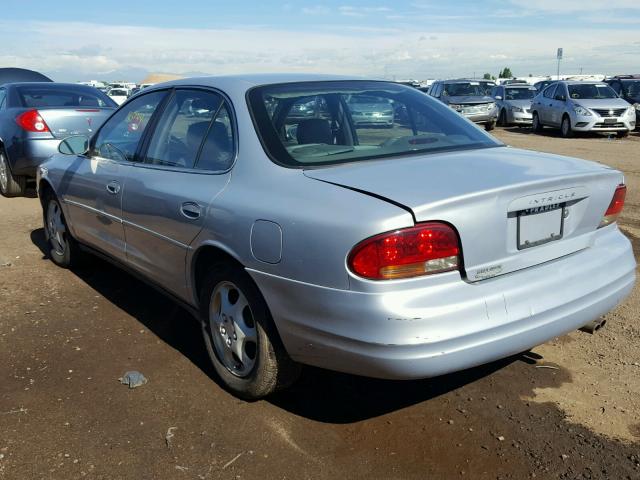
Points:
[[569, 409]]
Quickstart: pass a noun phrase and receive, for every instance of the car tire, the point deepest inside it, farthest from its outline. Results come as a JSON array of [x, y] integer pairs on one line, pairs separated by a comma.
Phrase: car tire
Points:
[[565, 127], [502, 118], [489, 126], [623, 134], [10, 185], [62, 248], [536, 126], [235, 318]]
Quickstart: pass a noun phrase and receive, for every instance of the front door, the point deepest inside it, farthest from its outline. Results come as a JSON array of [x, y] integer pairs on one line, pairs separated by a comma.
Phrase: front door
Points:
[[168, 194], [92, 191]]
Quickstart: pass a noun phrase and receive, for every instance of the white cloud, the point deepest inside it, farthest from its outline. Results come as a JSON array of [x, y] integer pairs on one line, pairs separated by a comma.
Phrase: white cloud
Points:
[[576, 5], [351, 11], [66, 49], [316, 10]]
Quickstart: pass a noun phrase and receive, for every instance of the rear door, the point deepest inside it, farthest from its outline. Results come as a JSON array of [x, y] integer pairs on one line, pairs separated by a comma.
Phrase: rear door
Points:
[[546, 103], [93, 188], [166, 197], [558, 105]]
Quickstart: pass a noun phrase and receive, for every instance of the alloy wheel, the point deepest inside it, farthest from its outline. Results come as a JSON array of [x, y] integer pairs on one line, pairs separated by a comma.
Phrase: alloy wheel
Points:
[[56, 228], [233, 329]]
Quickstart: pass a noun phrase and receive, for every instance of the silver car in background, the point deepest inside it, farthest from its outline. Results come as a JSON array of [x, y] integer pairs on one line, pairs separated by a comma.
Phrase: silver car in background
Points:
[[34, 117], [575, 106], [371, 111], [470, 98], [514, 104], [400, 253]]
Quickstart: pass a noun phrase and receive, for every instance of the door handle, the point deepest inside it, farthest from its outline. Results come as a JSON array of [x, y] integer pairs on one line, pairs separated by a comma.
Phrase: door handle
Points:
[[190, 210], [113, 188]]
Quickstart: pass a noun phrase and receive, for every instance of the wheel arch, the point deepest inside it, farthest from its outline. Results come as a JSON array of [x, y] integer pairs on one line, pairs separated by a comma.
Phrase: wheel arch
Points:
[[204, 256]]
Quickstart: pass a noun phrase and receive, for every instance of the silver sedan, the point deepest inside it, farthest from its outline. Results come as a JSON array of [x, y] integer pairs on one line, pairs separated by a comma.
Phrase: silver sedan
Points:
[[400, 253], [582, 107], [514, 104]]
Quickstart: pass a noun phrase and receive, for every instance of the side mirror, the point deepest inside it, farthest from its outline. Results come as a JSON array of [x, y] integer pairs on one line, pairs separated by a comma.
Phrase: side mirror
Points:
[[498, 97], [75, 145], [561, 98]]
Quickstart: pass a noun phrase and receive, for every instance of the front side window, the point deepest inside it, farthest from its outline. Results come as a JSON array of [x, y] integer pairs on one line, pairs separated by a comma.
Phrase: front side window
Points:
[[119, 137], [358, 120], [3, 97], [561, 93], [591, 91]]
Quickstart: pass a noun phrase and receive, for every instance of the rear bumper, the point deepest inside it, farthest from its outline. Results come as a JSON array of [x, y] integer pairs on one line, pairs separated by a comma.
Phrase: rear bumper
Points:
[[425, 332], [26, 155]]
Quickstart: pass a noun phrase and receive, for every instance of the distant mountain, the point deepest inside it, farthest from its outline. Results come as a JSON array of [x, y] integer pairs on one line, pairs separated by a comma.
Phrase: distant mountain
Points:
[[128, 74]]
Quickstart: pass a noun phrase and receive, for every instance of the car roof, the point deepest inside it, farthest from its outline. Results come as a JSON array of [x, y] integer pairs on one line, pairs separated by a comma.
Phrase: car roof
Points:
[[467, 80], [49, 85], [254, 80], [581, 82]]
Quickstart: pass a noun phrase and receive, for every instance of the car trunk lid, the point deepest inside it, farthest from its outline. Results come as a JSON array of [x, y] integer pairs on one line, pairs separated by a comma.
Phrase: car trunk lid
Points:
[[505, 203], [63, 122]]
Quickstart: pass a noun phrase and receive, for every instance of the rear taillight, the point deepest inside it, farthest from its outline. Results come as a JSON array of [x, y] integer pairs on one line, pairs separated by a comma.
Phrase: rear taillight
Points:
[[615, 207], [31, 121], [425, 249]]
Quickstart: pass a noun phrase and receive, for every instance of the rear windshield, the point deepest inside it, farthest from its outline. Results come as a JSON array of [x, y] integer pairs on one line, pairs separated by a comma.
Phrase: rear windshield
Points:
[[324, 123], [57, 96], [471, 89], [591, 91], [524, 93]]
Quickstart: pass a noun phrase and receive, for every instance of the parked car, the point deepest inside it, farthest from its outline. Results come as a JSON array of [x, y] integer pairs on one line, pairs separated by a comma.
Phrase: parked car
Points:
[[514, 104], [541, 85], [407, 253], [14, 75], [119, 95], [628, 87], [576, 106], [374, 111], [33, 119], [469, 98]]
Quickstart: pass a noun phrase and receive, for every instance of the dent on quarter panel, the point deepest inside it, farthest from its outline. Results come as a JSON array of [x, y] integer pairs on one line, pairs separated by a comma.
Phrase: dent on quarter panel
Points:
[[266, 241]]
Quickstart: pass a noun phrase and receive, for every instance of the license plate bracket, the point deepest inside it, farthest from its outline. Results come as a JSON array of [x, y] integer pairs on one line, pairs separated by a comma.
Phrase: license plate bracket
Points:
[[540, 225], [610, 120]]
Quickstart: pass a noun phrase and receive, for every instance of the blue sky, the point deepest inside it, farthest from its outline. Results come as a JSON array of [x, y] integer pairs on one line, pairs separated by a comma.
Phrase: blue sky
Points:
[[419, 39]]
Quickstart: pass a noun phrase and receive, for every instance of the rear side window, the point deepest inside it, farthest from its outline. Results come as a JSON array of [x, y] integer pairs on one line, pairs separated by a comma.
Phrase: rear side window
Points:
[[218, 149], [46, 96], [184, 124], [194, 131]]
